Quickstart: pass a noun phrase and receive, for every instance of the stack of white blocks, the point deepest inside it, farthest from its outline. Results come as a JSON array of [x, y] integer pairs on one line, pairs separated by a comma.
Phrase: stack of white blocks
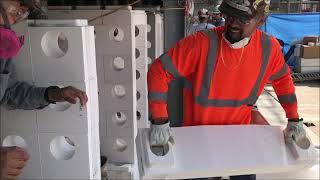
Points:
[[62, 139], [141, 46], [121, 48], [117, 86]]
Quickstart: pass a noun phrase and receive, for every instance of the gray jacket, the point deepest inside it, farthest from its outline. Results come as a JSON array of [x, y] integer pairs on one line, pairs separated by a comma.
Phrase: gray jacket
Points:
[[16, 94]]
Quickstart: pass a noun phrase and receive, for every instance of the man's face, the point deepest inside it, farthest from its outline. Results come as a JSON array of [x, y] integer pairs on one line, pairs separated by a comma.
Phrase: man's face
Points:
[[216, 16], [14, 11], [237, 28]]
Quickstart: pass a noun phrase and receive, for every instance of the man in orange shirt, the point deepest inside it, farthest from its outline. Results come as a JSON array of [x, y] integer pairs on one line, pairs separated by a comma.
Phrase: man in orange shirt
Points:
[[224, 70]]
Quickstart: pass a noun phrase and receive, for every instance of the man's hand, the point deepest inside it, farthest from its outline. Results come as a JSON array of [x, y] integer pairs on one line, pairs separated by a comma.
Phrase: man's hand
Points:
[[69, 94], [12, 161], [294, 131], [160, 134]]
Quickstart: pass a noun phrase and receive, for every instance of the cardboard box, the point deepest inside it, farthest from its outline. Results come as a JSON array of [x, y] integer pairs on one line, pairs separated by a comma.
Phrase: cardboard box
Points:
[[309, 52], [313, 39]]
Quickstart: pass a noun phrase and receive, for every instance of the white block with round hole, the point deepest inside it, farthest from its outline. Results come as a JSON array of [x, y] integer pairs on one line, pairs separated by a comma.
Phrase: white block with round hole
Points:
[[118, 68], [118, 149], [30, 143], [65, 156], [142, 89], [215, 151], [63, 50], [140, 22], [155, 35], [149, 156]]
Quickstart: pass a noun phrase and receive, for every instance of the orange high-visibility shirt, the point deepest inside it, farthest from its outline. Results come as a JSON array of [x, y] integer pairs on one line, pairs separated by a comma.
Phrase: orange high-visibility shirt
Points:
[[221, 83]]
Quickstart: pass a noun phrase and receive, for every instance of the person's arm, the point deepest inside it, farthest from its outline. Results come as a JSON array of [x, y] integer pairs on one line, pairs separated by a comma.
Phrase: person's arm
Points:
[[179, 61], [283, 84], [17, 94], [21, 95]]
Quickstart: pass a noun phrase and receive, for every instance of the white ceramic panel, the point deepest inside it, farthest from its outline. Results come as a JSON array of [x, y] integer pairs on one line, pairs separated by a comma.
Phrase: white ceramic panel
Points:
[[206, 151], [58, 53], [65, 159], [24, 57], [18, 121], [118, 149]]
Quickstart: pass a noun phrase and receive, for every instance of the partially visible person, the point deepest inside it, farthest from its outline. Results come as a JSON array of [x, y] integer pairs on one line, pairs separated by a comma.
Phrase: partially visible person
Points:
[[203, 15], [12, 161], [217, 17], [16, 94], [224, 71]]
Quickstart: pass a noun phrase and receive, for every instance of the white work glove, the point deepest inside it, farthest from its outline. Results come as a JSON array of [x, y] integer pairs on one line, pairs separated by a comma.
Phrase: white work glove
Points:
[[294, 131], [160, 135]]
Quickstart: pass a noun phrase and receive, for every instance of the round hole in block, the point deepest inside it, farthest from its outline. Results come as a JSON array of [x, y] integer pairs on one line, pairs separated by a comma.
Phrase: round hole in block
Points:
[[137, 53], [138, 115], [62, 148], [148, 44], [60, 106], [118, 91], [121, 145], [136, 31], [120, 118], [14, 140], [148, 28], [137, 74], [160, 150], [54, 44], [118, 63], [116, 34], [138, 95]]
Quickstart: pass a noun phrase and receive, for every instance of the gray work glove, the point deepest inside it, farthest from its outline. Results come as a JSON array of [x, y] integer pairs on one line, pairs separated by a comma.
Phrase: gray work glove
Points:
[[160, 135], [294, 131]]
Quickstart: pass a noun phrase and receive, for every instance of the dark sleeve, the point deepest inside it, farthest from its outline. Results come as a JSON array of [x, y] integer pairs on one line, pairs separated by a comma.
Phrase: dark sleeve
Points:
[[17, 94]]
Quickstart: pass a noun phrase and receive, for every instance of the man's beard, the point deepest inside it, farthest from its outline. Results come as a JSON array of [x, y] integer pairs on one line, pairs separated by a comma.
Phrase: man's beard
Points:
[[233, 37]]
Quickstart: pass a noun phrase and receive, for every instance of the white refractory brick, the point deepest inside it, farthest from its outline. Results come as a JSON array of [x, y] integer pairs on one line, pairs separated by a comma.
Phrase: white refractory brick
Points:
[[65, 156], [59, 48], [214, 151], [12, 119], [80, 125], [150, 158], [118, 149], [155, 35], [115, 39], [23, 59], [112, 69], [141, 77], [140, 23]]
